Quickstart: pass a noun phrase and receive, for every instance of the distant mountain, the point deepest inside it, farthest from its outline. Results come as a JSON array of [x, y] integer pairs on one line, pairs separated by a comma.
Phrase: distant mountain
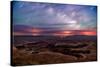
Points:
[[80, 37], [73, 37]]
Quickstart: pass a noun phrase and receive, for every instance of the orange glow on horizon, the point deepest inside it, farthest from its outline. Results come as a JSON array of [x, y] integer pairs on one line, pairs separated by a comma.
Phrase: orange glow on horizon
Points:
[[88, 33], [35, 32], [63, 33], [70, 33], [66, 32]]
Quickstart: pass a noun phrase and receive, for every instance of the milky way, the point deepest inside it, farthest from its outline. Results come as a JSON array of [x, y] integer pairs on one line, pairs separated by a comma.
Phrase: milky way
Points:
[[33, 18]]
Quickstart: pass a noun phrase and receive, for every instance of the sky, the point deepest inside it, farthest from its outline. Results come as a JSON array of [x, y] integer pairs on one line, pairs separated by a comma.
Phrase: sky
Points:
[[34, 18]]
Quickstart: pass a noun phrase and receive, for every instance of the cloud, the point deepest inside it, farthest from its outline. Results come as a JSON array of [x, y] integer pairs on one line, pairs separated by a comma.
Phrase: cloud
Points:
[[50, 11], [42, 18]]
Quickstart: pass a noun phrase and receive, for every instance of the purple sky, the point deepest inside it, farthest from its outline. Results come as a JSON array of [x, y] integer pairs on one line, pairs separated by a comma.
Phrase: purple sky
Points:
[[33, 18]]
